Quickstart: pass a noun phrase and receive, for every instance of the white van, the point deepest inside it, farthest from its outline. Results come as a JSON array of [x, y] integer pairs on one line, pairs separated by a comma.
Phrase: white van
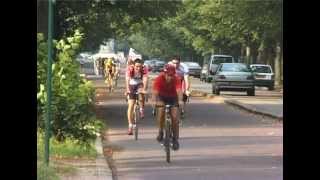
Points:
[[211, 64]]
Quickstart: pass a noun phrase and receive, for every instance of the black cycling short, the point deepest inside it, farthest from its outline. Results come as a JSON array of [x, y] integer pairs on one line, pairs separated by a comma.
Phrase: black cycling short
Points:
[[169, 100], [133, 90]]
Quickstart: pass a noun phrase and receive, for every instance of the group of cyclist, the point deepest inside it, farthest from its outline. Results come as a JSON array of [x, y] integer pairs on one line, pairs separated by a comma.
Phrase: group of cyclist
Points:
[[110, 70], [170, 87]]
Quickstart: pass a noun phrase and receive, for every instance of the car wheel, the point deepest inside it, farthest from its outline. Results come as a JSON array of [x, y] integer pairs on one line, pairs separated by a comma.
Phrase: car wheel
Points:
[[270, 88], [215, 90], [251, 92]]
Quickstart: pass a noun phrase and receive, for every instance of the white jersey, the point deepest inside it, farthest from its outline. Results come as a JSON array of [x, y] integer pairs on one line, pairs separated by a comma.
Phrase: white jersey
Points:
[[182, 70], [136, 79]]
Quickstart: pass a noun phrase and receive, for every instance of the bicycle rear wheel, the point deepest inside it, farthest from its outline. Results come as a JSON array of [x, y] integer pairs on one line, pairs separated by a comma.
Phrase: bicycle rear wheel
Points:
[[136, 132]]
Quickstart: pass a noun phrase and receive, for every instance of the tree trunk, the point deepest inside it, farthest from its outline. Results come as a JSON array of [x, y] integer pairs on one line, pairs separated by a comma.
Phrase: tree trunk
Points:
[[242, 54], [248, 55], [281, 66], [254, 55], [261, 53], [277, 63]]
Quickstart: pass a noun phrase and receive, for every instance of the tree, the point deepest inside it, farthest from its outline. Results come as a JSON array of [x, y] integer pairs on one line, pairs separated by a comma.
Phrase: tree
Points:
[[100, 20]]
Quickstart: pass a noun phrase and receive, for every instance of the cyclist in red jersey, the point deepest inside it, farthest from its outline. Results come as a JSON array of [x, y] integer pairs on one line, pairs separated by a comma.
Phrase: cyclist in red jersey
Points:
[[136, 81], [167, 90]]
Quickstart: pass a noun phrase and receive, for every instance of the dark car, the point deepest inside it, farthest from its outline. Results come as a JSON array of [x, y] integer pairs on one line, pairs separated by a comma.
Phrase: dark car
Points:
[[233, 77], [194, 68], [149, 64], [158, 67]]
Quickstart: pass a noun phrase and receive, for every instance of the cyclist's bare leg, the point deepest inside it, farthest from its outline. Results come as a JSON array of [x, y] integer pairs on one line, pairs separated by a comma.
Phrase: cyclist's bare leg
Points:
[[131, 103], [141, 101], [110, 81], [160, 119], [175, 126], [160, 115]]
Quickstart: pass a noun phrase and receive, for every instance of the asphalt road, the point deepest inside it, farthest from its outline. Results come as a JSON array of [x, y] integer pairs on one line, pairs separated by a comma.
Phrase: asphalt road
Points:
[[217, 142]]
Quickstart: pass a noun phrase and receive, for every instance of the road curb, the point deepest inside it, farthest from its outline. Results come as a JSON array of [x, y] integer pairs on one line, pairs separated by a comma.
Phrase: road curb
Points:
[[252, 109], [102, 160]]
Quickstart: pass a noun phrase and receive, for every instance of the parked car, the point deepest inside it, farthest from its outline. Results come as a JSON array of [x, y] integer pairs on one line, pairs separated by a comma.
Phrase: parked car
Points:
[[149, 64], [194, 68], [264, 76], [212, 64], [233, 77], [158, 67]]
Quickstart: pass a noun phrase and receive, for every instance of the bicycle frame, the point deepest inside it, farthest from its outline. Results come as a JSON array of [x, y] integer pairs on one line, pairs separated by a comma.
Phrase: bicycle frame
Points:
[[136, 118], [168, 132]]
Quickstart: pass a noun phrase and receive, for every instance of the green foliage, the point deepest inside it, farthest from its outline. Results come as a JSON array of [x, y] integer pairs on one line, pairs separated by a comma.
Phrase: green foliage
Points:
[[70, 148], [46, 172], [210, 25], [160, 39], [72, 95], [104, 19]]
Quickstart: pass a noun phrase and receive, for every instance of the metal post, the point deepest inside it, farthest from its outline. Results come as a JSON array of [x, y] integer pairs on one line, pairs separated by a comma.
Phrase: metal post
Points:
[[49, 82]]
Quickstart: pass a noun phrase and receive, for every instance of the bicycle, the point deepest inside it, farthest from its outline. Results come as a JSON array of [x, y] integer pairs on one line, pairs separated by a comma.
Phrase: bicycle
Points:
[[168, 133]]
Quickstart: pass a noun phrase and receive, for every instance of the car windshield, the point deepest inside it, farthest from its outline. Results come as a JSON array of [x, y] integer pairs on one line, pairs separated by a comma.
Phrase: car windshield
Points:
[[234, 68], [192, 64], [160, 63], [261, 69], [219, 60]]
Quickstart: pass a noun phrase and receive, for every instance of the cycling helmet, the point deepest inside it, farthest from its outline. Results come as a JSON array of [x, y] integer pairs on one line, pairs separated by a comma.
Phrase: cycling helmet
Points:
[[109, 61]]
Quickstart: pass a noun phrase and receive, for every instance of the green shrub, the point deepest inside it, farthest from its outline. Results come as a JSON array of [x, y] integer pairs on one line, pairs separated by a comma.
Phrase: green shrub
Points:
[[46, 172], [72, 96]]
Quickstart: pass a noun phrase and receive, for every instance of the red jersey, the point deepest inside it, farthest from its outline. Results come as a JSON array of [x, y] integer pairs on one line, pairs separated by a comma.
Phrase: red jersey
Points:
[[166, 89], [130, 71]]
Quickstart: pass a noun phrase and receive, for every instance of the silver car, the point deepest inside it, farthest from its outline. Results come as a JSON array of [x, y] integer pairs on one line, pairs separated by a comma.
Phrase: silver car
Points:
[[263, 75], [194, 68], [233, 77]]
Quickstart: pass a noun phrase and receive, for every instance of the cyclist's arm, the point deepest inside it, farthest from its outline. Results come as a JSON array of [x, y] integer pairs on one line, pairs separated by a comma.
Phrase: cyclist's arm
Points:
[[179, 90], [127, 81], [145, 83], [186, 78], [187, 81], [155, 90], [155, 95]]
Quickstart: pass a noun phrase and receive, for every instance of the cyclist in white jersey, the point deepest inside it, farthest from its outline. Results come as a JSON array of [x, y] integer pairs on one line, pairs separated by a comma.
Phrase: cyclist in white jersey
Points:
[[182, 71]]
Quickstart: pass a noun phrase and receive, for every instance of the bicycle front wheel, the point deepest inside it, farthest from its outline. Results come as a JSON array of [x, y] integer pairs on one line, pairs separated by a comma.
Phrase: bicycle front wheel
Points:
[[136, 117], [167, 141]]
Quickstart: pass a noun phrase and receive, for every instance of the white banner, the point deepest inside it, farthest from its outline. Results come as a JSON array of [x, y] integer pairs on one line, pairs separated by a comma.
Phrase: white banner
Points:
[[133, 54]]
